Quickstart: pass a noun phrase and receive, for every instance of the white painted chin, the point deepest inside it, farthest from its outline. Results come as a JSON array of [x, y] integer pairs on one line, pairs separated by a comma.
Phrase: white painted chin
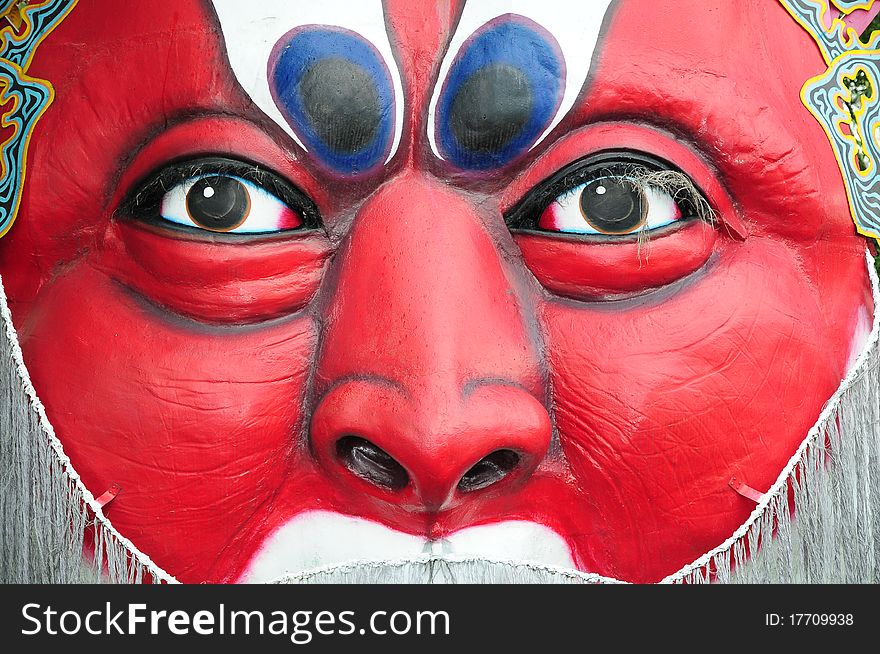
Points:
[[315, 542]]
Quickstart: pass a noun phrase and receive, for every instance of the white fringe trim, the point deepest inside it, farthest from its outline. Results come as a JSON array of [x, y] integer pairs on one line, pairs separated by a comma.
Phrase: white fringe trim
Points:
[[814, 455], [445, 569], [833, 477], [45, 508]]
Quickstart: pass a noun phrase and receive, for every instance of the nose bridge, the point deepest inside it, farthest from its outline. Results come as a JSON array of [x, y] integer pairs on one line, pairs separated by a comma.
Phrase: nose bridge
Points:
[[422, 298], [428, 385]]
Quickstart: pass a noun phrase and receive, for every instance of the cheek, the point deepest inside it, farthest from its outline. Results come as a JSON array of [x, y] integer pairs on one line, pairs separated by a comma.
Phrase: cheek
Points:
[[193, 422], [660, 402]]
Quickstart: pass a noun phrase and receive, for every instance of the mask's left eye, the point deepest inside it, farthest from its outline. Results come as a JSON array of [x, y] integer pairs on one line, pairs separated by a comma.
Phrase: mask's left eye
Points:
[[223, 196], [611, 205], [613, 195]]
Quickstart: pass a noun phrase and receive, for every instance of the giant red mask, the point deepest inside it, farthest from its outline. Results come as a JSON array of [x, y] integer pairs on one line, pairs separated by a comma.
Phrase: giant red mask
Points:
[[512, 279]]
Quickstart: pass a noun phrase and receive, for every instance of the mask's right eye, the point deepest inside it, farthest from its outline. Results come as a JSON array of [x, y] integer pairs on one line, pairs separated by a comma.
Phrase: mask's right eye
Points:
[[221, 196], [223, 203]]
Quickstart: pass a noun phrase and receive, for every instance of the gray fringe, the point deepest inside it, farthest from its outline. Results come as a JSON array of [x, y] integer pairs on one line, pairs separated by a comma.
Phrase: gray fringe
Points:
[[819, 523], [45, 510], [430, 569]]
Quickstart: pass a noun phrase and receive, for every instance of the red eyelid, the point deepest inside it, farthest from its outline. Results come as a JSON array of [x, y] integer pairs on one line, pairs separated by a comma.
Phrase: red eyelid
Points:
[[573, 267], [215, 281], [627, 136], [217, 136]]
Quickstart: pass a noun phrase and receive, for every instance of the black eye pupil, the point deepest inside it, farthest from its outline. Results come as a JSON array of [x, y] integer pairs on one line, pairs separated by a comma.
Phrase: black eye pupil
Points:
[[613, 206], [218, 203]]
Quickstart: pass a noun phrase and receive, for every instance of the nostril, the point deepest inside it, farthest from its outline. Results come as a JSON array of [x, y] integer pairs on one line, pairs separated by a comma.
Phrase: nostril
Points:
[[371, 462], [489, 470]]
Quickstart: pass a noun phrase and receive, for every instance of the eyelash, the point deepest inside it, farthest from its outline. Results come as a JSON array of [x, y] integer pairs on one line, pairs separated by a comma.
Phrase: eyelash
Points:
[[621, 166], [144, 202]]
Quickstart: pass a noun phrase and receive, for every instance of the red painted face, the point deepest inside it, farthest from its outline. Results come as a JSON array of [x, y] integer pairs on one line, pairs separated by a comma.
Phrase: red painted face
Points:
[[424, 326]]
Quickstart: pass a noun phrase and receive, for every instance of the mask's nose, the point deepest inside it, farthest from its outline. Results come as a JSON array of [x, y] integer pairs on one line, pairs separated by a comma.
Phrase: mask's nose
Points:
[[429, 381], [389, 439]]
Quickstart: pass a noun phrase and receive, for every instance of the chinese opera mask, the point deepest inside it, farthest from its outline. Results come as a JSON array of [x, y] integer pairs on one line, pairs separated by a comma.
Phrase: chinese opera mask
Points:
[[562, 290]]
